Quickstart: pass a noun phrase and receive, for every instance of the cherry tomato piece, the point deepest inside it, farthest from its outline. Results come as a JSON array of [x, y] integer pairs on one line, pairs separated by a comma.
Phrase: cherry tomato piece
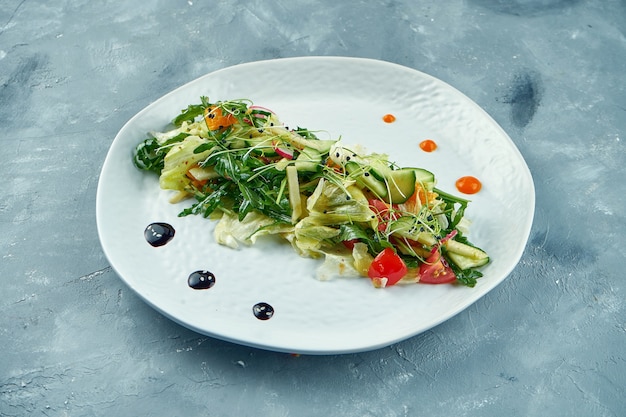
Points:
[[387, 268], [436, 271], [350, 243], [385, 212], [378, 206]]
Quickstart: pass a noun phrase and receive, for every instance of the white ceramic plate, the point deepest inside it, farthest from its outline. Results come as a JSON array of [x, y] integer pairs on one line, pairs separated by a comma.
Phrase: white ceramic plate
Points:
[[347, 97]]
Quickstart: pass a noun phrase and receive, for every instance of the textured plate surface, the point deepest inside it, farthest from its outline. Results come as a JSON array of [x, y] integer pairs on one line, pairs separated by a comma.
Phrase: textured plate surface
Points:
[[345, 97]]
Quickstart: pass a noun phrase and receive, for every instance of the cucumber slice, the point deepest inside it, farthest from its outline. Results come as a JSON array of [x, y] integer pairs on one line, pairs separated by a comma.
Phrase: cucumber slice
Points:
[[409, 227], [379, 166], [322, 146], [309, 160], [366, 179], [424, 177], [401, 185], [466, 256], [402, 181], [395, 188], [464, 262]]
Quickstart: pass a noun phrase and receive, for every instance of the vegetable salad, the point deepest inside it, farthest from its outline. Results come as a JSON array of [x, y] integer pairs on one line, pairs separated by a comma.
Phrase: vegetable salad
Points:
[[364, 215]]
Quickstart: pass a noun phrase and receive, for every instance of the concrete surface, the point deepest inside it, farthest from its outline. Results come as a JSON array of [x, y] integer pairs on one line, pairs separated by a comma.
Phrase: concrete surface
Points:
[[75, 341]]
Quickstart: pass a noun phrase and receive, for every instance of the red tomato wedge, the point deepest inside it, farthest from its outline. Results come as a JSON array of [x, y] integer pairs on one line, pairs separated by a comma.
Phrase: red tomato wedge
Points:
[[436, 271], [387, 269]]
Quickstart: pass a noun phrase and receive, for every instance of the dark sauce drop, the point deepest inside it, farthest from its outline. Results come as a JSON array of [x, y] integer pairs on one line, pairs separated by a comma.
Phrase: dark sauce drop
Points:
[[158, 234], [201, 280], [263, 311]]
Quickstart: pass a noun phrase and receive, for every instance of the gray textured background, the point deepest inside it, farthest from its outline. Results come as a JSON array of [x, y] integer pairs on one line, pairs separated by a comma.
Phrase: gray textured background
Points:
[[75, 341]]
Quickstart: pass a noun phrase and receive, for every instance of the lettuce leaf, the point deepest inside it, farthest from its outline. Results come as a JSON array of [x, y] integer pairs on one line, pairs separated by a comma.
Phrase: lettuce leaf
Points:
[[178, 161]]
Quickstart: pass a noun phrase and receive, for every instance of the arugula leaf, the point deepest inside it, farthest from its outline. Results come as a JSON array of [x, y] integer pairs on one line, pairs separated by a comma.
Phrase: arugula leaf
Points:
[[466, 277], [411, 261], [206, 203], [453, 213], [249, 200], [305, 133], [204, 147], [149, 155], [242, 189], [189, 114]]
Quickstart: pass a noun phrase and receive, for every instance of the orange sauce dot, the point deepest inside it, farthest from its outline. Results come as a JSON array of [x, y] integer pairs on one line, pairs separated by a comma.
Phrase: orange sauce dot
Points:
[[389, 118], [468, 185], [428, 145]]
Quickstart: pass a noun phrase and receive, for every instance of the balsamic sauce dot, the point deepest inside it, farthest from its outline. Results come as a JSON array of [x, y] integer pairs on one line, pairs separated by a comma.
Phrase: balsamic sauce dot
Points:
[[263, 311], [158, 234], [201, 280]]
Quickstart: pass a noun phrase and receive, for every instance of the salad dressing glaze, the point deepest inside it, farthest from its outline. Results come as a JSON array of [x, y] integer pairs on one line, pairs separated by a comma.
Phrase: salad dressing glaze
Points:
[[428, 145], [201, 280], [468, 185], [389, 118], [159, 234], [263, 311]]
